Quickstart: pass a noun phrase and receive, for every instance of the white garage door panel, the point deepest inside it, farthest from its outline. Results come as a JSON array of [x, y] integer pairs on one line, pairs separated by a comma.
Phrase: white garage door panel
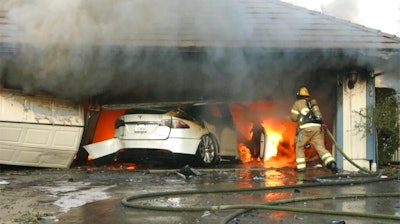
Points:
[[37, 136], [38, 144], [54, 147], [28, 156], [66, 138], [6, 154], [56, 157], [9, 134], [38, 130]]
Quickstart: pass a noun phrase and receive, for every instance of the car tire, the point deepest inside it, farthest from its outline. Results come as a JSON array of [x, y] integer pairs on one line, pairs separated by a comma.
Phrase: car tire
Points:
[[262, 145], [207, 151], [258, 144]]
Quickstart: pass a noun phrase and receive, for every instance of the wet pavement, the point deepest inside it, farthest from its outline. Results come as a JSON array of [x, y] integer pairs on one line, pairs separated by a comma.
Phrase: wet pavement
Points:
[[94, 195]]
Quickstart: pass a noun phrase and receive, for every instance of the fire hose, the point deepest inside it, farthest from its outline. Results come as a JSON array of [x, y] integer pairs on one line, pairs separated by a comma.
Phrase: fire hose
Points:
[[276, 205], [342, 152], [129, 200]]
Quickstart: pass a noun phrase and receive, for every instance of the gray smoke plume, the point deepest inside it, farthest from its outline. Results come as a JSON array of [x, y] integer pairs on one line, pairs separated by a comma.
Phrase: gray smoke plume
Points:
[[343, 9], [350, 10], [153, 50], [81, 48]]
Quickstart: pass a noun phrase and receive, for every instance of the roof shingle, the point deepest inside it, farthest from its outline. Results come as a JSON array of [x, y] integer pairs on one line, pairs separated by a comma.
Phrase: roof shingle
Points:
[[207, 23]]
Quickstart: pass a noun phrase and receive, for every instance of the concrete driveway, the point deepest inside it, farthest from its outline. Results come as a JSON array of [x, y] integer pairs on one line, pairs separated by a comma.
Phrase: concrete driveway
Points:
[[94, 195]]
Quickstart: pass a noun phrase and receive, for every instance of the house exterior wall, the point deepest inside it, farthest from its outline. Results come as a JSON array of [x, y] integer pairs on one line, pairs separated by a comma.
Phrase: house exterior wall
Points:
[[354, 133]]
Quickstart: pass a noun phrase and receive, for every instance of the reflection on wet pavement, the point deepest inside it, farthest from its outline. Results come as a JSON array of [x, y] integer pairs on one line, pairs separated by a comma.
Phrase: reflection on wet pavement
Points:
[[74, 194], [129, 182]]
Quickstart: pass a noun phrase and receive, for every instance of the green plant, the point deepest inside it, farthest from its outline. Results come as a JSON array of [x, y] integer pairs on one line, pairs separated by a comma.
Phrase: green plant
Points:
[[384, 117], [28, 217]]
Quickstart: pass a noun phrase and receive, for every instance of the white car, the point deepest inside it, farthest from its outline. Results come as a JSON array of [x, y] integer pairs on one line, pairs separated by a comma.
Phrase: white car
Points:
[[202, 134]]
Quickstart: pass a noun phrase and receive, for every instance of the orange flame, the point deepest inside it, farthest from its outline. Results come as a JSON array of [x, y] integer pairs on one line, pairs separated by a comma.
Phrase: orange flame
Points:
[[122, 166], [244, 153], [273, 140], [279, 129]]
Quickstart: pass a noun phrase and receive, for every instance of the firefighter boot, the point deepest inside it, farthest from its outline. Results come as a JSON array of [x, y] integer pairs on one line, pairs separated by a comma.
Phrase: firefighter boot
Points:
[[332, 166]]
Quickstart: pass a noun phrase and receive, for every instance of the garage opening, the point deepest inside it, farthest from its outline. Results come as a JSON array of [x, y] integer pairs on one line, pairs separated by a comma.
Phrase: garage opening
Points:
[[272, 115]]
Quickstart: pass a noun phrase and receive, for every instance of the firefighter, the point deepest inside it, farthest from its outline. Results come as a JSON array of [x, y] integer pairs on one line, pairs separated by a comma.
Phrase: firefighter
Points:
[[306, 113]]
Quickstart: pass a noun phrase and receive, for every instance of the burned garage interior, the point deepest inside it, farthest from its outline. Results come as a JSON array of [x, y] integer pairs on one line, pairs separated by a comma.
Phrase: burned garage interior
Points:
[[250, 55], [181, 111]]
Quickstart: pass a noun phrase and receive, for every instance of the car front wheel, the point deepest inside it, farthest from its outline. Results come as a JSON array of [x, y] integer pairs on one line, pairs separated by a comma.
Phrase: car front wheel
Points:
[[207, 151]]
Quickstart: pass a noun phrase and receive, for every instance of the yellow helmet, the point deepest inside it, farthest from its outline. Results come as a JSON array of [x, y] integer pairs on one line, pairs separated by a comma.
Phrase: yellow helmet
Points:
[[303, 91]]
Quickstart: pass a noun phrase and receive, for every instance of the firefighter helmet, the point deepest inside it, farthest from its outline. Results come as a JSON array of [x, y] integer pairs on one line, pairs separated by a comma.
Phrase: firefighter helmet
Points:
[[303, 91]]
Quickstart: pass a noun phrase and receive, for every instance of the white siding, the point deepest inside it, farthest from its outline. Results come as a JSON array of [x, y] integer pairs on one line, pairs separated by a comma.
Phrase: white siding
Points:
[[354, 141]]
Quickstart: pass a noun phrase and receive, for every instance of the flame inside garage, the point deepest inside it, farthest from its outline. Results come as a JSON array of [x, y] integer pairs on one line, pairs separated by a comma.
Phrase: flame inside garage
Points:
[[279, 128], [272, 115]]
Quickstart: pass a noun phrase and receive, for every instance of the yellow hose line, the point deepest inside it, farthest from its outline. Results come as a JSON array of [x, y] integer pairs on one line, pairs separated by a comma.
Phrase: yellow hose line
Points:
[[128, 201], [318, 211]]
